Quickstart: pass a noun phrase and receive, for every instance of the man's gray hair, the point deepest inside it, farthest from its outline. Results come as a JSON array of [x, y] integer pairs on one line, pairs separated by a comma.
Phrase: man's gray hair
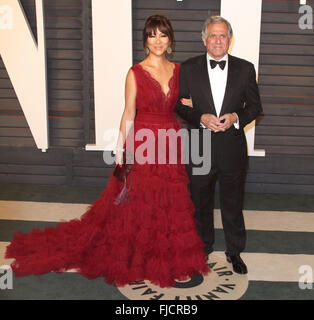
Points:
[[216, 19]]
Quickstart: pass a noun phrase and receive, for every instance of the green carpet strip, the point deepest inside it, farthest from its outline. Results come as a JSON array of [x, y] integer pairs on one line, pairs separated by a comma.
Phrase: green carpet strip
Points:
[[72, 286], [257, 240], [76, 194]]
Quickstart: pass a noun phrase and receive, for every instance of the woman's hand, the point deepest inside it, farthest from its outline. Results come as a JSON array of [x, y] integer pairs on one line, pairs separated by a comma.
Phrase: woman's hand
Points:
[[119, 158], [187, 102]]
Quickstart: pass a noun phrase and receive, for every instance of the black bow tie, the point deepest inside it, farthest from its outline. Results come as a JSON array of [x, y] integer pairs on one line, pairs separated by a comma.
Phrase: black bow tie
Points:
[[213, 64]]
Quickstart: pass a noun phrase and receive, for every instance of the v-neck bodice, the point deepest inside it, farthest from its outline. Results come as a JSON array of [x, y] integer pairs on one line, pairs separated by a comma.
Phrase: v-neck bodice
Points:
[[158, 83], [150, 96]]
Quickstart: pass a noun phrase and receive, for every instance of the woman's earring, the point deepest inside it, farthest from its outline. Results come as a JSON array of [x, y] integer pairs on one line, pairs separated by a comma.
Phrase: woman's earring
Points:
[[147, 51], [169, 50]]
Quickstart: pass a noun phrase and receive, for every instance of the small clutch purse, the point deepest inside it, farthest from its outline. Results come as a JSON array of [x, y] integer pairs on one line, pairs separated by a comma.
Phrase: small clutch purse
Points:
[[121, 173]]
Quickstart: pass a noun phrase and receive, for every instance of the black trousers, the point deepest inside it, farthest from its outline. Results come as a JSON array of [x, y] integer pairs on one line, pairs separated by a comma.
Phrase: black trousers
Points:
[[231, 195]]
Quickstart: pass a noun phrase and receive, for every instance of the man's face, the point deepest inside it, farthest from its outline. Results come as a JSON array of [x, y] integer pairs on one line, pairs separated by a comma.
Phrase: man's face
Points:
[[217, 42]]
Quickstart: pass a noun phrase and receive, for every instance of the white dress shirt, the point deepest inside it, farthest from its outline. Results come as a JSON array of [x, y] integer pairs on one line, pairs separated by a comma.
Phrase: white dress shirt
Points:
[[218, 82]]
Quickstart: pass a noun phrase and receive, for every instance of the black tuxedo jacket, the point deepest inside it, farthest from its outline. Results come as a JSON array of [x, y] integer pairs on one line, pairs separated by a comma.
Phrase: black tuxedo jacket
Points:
[[229, 149]]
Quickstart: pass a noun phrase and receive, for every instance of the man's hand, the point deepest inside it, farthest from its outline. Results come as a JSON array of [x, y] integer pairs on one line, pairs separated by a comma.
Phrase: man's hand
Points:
[[210, 121], [222, 123], [227, 120]]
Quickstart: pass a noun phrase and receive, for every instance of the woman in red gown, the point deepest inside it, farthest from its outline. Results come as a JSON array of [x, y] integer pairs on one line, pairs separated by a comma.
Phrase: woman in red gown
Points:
[[150, 236]]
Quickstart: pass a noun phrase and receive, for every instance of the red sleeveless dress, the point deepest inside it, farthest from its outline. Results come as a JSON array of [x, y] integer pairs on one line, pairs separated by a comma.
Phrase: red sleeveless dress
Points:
[[151, 236]]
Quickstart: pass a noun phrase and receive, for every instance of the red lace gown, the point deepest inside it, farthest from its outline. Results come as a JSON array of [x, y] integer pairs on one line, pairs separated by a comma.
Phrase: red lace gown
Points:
[[150, 236]]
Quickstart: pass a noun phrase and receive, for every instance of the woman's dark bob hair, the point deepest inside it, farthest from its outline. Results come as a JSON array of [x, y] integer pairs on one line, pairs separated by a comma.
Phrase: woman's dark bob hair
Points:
[[162, 24]]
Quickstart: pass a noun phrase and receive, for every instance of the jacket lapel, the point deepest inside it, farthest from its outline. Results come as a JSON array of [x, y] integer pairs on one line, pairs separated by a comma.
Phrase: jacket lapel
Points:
[[231, 79], [205, 84]]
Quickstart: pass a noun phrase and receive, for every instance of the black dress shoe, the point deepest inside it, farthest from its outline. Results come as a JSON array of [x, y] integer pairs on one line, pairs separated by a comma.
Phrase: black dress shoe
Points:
[[237, 264], [208, 250]]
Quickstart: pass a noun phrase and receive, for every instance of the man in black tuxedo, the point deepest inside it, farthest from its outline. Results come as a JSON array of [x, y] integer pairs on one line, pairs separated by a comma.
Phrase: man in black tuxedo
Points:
[[225, 99]]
